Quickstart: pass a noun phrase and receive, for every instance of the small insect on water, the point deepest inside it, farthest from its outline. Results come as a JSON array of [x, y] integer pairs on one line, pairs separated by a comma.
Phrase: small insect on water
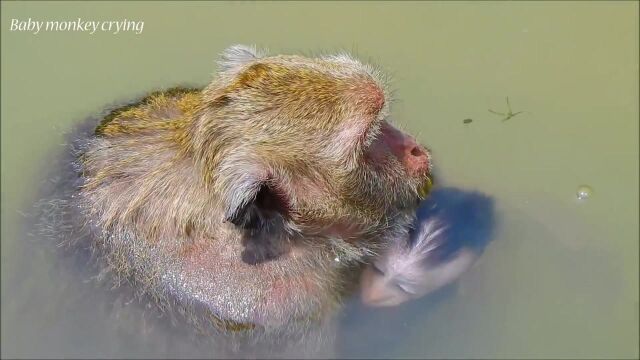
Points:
[[509, 114]]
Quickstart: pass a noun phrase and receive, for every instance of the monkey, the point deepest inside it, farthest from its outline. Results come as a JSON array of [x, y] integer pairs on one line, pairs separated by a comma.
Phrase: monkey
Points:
[[250, 204], [453, 227]]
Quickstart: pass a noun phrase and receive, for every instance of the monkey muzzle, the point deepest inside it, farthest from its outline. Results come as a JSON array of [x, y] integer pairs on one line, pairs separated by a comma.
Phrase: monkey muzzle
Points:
[[425, 187]]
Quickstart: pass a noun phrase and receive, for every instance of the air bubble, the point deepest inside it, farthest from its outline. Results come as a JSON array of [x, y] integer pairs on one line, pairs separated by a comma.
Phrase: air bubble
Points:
[[584, 192]]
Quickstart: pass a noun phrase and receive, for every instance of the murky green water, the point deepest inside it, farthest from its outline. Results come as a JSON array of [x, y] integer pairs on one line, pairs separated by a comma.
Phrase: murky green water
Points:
[[560, 279]]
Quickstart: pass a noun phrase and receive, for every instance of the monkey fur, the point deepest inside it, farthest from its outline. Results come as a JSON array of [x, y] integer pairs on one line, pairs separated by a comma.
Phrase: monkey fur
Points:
[[252, 202]]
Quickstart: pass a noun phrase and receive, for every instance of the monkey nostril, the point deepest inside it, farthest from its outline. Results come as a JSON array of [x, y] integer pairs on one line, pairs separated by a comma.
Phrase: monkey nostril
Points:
[[417, 152], [417, 159]]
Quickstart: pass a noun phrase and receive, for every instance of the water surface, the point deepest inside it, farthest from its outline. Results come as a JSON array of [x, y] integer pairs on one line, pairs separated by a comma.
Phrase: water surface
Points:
[[559, 280]]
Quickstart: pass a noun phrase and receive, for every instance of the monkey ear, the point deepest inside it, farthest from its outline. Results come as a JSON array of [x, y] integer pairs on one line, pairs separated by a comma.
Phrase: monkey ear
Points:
[[238, 55], [262, 212], [255, 206]]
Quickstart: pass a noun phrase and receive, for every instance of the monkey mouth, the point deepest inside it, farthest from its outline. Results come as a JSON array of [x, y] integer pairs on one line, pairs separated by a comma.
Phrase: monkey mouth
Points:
[[425, 187]]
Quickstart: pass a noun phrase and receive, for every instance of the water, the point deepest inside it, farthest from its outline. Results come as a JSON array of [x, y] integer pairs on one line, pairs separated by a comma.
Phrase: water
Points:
[[559, 280]]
